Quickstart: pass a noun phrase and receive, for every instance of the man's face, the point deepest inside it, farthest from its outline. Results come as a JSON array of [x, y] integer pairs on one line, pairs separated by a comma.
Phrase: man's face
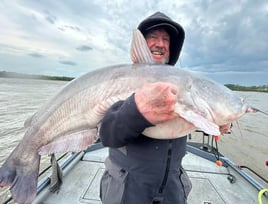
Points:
[[158, 41]]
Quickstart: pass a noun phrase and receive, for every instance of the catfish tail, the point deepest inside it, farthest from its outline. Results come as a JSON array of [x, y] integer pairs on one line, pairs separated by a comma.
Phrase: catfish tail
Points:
[[22, 177]]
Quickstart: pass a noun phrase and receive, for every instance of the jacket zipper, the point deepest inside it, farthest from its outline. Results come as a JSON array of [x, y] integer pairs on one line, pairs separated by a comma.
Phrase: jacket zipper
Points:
[[164, 182]]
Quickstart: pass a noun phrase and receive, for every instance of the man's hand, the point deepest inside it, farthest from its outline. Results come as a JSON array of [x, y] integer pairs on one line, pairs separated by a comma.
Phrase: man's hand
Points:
[[156, 101], [225, 128]]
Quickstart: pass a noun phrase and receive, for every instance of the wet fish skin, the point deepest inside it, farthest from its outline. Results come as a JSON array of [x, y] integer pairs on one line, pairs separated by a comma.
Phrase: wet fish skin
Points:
[[69, 120]]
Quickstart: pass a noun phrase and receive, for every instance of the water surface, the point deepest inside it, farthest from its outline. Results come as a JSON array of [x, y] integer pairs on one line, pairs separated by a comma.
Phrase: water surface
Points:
[[20, 98]]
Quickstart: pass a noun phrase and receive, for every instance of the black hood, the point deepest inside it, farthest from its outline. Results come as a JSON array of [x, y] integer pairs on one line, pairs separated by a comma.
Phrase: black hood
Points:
[[175, 30]]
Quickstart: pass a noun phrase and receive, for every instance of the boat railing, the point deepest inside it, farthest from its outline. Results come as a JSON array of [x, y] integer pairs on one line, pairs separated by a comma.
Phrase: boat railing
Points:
[[208, 149]]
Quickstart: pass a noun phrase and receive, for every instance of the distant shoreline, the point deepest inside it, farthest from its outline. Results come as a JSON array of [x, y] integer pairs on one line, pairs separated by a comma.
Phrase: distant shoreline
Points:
[[235, 87], [5, 74]]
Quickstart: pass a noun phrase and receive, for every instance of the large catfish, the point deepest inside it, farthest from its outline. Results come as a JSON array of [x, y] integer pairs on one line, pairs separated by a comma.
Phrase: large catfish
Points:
[[68, 122]]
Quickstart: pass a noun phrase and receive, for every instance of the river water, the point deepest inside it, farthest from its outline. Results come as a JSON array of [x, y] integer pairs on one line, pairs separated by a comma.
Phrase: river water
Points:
[[20, 98]]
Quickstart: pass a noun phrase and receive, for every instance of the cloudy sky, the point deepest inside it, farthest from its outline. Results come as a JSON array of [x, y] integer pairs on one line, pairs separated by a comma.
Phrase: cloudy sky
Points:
[[226, 40]]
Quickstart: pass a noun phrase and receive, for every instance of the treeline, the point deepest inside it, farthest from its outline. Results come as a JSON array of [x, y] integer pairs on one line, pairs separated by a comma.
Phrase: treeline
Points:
[[32, 76], [235, 87]]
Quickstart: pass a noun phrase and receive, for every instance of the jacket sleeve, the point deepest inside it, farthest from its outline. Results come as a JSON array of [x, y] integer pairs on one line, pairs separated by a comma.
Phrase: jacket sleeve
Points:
[[122, 123]]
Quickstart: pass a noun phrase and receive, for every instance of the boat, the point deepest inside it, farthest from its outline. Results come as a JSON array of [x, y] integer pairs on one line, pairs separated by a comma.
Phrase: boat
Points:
[[215, 178]]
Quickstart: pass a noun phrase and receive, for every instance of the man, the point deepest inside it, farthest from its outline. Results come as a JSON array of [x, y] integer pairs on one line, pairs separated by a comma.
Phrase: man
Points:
[[140, 169]]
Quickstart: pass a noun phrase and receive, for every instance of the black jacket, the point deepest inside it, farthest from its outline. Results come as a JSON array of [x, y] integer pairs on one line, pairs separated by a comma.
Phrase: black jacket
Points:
[[143, 168]]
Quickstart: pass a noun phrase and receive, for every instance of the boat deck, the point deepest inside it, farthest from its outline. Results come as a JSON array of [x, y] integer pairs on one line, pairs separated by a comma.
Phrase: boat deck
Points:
[[211, 183]]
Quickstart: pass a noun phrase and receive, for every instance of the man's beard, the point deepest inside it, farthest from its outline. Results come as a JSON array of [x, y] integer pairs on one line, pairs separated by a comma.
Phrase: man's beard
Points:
[[161, 51]]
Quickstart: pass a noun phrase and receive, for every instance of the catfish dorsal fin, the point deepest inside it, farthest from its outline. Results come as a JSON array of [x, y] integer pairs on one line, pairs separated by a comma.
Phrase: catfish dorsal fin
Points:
[[139, 51]]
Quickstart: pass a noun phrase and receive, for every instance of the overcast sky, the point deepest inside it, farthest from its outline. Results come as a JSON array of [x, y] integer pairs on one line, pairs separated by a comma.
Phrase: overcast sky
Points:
[[226, 40]]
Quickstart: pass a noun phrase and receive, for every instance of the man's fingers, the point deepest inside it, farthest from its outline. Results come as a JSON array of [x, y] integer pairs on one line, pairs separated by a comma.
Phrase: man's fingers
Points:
[[156, 101], [225, 128], [173, 89]]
